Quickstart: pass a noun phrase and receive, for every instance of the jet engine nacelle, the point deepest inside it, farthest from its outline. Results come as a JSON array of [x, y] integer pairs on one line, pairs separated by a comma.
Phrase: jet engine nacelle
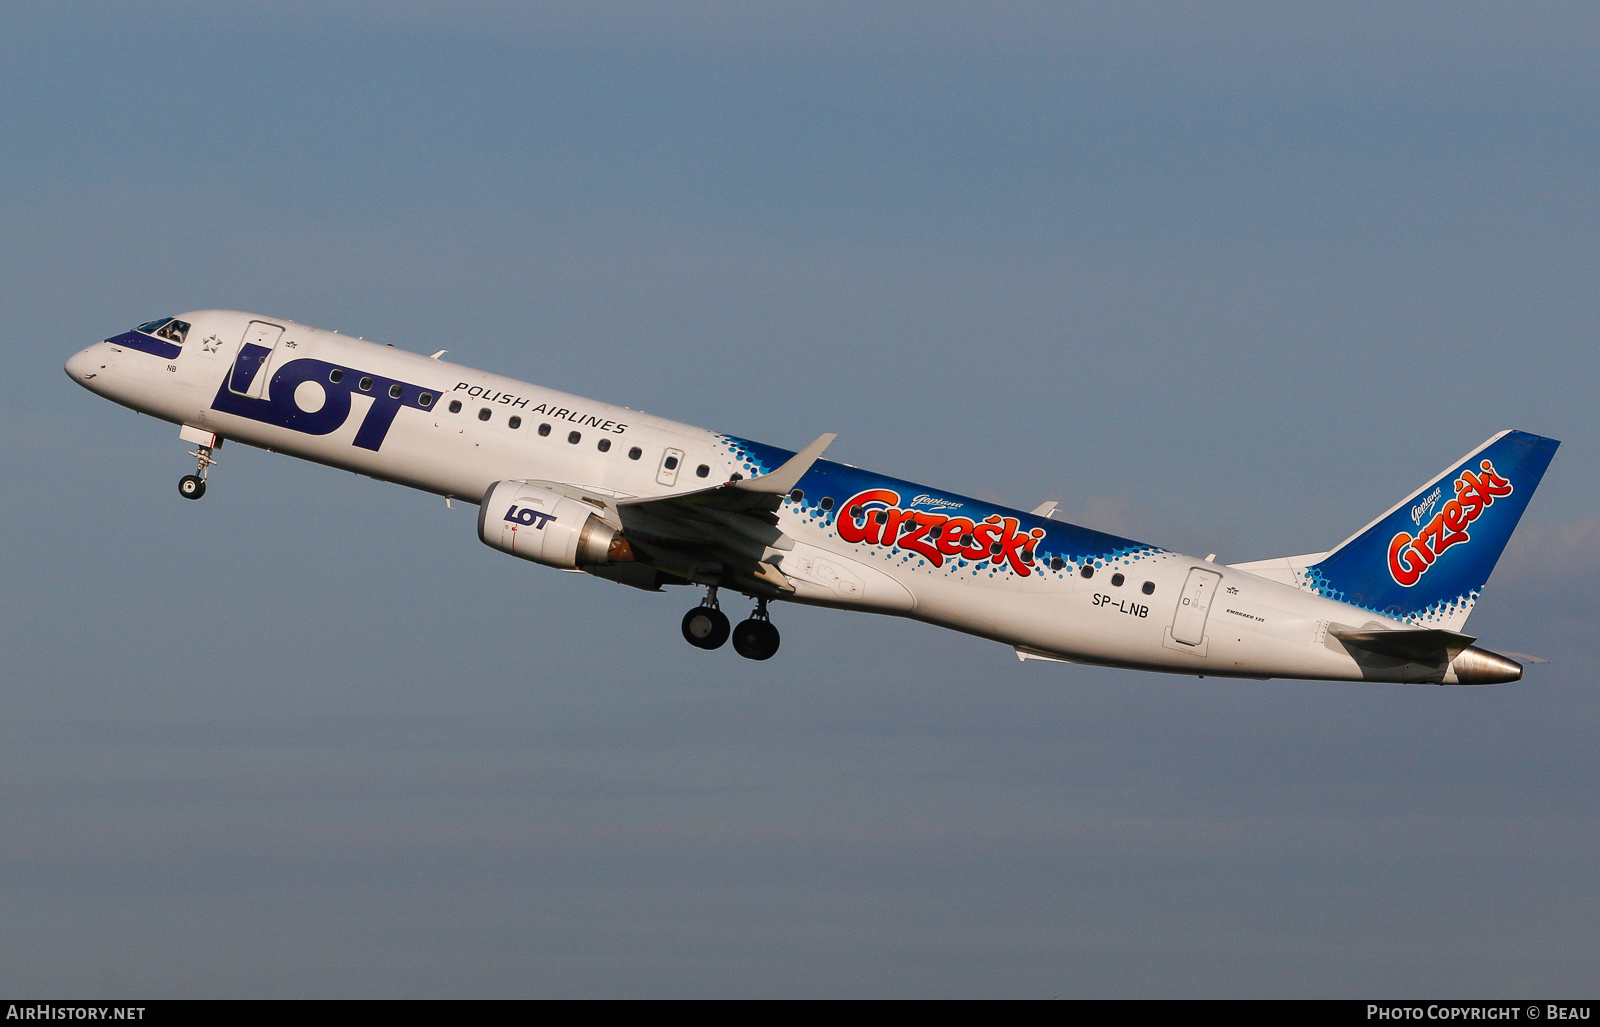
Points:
[[546, 527]]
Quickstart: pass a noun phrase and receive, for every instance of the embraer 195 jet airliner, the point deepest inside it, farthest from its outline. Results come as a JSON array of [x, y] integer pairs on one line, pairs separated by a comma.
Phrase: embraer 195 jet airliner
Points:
[[585, 486]]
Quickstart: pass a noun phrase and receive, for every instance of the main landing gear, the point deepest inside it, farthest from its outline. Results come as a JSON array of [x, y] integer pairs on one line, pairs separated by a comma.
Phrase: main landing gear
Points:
[[756, 638], [706, 627]]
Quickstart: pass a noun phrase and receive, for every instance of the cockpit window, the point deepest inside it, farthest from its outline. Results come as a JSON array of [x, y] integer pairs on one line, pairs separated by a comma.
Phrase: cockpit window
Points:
[[169, 328]]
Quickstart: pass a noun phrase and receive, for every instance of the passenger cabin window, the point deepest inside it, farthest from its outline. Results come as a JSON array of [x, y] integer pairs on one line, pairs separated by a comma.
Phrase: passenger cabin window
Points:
[[575, 437], [455, 406], [604, 445], [394, 392], [485, 414], [1087, 571], [544, 429], [670, 463], [365, 384], [336, 376], [1056, 564], [702, 471], [635, 453], [1148, 588], [426, 399], [1117, 580], [515, 422]]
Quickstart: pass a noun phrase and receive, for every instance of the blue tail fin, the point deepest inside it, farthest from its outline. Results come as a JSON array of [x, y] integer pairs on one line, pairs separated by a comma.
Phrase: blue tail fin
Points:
[[1426, 560]]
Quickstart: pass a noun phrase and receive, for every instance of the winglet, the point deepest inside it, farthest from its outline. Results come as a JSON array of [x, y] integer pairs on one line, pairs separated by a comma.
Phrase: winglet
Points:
[[788, 476]]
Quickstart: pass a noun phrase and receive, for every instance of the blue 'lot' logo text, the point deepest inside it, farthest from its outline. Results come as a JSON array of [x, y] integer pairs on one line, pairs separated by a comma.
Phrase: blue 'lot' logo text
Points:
[[528, 515], [337, 384]]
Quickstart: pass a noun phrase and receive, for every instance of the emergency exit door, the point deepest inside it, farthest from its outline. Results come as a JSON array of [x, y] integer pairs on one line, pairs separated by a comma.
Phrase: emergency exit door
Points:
[[667, 473]]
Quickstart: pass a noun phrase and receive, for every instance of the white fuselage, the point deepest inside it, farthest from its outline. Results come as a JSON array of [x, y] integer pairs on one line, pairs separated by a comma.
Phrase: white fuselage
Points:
[[1159, 614]]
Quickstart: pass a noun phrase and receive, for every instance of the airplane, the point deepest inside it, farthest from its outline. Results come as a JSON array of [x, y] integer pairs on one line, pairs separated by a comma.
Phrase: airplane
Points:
[[585, 486]]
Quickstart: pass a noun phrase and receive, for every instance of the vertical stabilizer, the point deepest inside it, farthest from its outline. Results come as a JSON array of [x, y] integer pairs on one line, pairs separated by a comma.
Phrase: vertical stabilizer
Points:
[[1426, 559]]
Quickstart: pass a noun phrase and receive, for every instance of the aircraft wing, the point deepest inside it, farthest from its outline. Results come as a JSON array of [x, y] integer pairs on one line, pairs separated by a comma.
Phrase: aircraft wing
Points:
[[759, 495], [729, 527]]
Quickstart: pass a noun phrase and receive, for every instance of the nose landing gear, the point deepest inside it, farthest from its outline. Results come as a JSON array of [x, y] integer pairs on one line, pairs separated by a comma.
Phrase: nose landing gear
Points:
[[756, 638], [705, 626], [193, 486]]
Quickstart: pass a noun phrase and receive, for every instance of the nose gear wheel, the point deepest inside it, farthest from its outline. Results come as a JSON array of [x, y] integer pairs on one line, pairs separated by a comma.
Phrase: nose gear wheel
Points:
[[193, 486]]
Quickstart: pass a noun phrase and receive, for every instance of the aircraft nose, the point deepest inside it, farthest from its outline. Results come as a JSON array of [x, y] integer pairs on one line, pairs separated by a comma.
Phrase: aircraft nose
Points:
[[84, 366]]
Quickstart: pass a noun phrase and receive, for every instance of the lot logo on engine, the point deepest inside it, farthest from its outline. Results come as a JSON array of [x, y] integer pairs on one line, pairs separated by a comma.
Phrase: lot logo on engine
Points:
[[528, 515]]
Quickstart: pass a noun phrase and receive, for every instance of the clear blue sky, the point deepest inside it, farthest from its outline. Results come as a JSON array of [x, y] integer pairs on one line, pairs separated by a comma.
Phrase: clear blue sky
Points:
[[1229, 278]]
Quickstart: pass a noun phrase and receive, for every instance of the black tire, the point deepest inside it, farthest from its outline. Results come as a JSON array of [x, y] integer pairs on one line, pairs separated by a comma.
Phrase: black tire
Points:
[[705, 628], [755, 639], [191, 487]]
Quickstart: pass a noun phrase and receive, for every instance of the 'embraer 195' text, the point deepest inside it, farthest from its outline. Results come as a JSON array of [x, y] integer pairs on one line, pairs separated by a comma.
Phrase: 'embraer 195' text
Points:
[[1410, 558], [874, 517]]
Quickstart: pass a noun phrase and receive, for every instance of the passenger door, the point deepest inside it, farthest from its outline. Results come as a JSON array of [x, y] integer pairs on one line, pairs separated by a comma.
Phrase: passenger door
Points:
[[251, 368]]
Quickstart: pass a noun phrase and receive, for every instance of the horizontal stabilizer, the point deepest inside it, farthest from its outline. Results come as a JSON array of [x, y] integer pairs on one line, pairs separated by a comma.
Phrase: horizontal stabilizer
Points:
[[1425, 645], [1524, 657]]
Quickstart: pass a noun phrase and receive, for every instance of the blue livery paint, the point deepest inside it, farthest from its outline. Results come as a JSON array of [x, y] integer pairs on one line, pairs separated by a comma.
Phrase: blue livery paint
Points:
[[1370, 570], [279, 407], [247, 365], [134, 339], [1072, 546]]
